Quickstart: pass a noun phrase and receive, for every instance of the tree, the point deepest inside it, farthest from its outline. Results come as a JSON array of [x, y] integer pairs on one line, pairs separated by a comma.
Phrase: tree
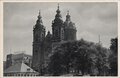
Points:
[[114, 45], [55, 66], [113, 58], [102, 60], [79, 56]]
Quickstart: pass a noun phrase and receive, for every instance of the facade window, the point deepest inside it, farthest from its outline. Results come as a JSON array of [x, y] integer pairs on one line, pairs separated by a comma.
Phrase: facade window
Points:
[[28, 69], [18, 74], [62, 35], [42, 35], [21, 74], [24, 74], [57, 33]]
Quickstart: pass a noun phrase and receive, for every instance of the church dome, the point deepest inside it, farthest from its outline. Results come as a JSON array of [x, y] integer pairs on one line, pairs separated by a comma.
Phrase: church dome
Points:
[[58, 16], [68, 23]]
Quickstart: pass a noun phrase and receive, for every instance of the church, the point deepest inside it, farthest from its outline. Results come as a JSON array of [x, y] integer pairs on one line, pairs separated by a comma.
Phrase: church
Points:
[[43, 45]]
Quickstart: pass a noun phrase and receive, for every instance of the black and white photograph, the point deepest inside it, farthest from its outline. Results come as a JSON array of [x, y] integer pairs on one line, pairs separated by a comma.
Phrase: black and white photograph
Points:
[[63, 39]]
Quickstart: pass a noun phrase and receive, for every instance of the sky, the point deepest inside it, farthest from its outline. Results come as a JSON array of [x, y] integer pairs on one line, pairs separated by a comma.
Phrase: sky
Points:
[[91, 19]]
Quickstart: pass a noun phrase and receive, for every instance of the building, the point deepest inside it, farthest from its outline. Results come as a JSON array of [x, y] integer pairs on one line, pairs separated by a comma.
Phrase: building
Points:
[[13, 59], [4, 65], [69, 29], [43, 44], [20, 69]]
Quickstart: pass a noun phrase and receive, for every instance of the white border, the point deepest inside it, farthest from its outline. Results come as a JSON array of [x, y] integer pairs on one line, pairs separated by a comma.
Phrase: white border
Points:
[[1, 32]]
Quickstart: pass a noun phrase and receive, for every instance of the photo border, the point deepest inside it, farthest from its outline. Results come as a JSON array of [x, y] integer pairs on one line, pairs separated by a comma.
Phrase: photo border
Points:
[[1, 35]]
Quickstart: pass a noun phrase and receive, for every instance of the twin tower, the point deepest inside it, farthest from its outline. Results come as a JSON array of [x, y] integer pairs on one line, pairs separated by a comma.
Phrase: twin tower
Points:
[[42, 43]]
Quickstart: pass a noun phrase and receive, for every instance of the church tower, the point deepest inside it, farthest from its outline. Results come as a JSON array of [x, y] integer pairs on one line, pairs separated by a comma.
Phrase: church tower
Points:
[[57, 27], [38, 42], [69, 29]]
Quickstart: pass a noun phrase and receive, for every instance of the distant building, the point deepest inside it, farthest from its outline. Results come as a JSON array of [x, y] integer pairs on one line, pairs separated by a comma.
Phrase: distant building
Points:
[[20, 69], [13, 59], [43, 44], [4, 65]]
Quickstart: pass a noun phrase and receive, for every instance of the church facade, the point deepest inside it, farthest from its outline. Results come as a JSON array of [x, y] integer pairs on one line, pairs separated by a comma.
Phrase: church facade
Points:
[[43, 44]]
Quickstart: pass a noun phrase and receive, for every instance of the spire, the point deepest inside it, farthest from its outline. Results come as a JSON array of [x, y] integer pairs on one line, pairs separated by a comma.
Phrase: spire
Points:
[[48, 32], [39, 21], [58, 15], [58, 11], [100, 40], [68, 16], [68, 12], [48, 35], [39, 16]]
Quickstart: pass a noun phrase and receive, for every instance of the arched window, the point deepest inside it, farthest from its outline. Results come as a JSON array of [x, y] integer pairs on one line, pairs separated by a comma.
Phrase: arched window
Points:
[[62, 34], [57, 33], [42, 35]]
